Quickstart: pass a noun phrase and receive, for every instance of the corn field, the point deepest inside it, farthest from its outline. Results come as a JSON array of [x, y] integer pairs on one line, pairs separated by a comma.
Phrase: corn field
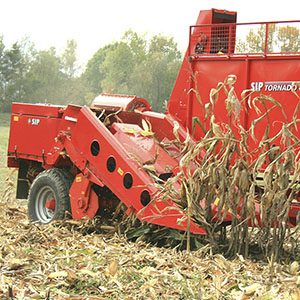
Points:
[[239, 181], [221, 175]]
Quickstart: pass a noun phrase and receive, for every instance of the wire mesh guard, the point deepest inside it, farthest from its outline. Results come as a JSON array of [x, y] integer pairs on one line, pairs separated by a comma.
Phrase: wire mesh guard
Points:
[[247, 38]]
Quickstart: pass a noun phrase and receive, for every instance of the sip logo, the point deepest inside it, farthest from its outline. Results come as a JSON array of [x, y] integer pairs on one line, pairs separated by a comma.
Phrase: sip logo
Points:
[[257, 86], [34, 121], [273, 86]]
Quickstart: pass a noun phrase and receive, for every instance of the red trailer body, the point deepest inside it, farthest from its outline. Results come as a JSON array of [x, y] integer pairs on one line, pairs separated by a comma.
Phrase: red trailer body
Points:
[[94, 155], [267, 71]]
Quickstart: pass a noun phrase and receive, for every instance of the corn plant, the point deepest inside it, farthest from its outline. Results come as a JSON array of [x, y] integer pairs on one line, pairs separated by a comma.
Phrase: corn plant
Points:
[[255, 187]]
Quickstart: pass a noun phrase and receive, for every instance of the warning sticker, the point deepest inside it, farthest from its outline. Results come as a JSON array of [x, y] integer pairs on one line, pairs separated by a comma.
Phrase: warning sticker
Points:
[[120, 171]]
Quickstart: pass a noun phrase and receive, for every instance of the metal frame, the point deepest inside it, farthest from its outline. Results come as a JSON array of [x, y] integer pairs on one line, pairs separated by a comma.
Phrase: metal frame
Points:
[[232, 28]]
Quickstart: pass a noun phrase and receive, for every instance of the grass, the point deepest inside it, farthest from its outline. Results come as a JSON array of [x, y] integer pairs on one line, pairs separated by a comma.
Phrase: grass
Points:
[[4, 134], [4, 119]]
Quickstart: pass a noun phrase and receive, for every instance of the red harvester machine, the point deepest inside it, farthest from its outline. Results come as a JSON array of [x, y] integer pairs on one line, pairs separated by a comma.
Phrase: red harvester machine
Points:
[[78, 159]]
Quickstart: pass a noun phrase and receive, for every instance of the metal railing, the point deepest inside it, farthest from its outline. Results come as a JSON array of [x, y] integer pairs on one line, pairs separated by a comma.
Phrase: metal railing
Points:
[[269, 38]]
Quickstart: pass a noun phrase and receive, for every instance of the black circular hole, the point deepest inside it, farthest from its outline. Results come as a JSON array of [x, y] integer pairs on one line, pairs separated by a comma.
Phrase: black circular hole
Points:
[[127, 181], [145, 198], [111, 164], [95, 148]]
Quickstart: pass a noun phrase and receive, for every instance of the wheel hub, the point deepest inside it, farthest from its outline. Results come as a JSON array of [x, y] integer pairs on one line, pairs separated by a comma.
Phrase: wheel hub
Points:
[[45, 205], [51, 204]]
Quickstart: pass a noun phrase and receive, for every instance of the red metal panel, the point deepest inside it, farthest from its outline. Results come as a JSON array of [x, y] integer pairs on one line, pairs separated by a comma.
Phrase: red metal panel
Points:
[[273, 77], [84, 201], [184, 85], [120, 102], [127, 180], [143, 149], [31, 135], [48, 110]]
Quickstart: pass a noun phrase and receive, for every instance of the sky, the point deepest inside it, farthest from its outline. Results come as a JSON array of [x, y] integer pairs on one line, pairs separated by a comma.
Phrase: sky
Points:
[[96, 23]]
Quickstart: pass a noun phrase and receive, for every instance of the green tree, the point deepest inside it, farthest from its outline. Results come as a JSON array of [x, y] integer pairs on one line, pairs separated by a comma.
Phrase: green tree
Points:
[[28, 50], [74, 91], [136, 66], [288, 39], [94, 72], [166, 46], [254, 41], [69, 59], [73, 87], [163, 61], [2, 78], [13, 69], [280, 39], [118, 66], [44, 81], [155, 77], [137, 45], [2, 46], [34, 76]]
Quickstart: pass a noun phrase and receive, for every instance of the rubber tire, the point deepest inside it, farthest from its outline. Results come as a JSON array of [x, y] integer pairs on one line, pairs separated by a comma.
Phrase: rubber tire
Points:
[[58, 182]]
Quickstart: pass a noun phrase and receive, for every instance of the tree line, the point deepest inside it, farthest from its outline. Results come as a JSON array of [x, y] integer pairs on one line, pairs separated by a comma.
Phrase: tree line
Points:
[[134, 65], [280, 39]]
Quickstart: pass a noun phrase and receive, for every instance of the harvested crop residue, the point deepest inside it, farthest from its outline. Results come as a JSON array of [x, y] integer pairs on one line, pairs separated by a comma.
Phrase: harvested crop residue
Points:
[[61, 261]]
